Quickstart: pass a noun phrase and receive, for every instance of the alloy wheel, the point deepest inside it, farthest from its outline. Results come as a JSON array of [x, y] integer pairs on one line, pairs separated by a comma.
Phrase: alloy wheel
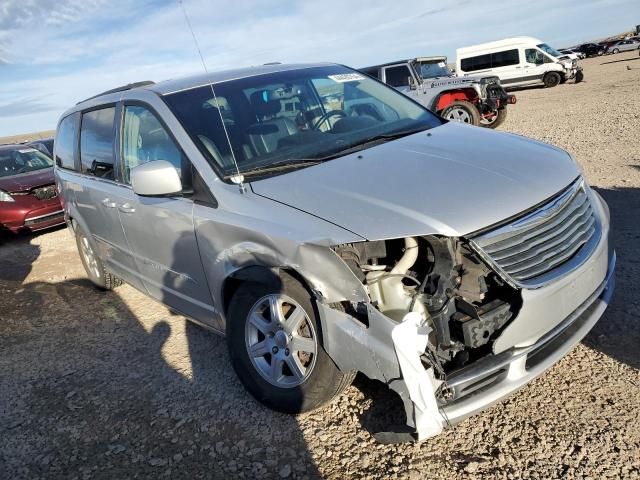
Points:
[[281, 341], [459, 115]]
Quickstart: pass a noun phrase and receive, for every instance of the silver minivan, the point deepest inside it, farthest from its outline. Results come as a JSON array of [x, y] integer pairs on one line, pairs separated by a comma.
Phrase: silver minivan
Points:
[[329, 225]]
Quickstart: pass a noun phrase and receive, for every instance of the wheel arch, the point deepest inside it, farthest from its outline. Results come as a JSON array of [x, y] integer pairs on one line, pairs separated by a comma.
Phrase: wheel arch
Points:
[[444, 99]]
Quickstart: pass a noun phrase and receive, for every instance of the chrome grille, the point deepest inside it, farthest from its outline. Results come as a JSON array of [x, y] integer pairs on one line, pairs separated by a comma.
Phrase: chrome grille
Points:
[[542, 241]]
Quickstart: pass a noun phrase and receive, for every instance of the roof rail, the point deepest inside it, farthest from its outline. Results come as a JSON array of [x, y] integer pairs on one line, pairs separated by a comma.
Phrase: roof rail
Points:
[[124, 88]]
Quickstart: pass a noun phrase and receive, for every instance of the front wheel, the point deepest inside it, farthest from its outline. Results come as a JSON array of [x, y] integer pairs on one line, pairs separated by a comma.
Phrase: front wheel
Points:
[[579, 76], [462, 111], [552, 79], [616, 50], [276, 349], [494, 119]]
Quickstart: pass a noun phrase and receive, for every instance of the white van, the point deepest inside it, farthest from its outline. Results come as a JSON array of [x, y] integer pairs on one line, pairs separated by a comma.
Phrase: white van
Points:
[[518, 61]]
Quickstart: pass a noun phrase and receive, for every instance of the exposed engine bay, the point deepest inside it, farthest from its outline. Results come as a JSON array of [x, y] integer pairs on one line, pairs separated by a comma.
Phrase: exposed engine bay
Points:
[[464, 302]]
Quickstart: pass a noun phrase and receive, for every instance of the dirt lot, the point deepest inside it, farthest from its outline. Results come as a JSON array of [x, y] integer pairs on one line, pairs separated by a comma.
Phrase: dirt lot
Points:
[[112, 385]]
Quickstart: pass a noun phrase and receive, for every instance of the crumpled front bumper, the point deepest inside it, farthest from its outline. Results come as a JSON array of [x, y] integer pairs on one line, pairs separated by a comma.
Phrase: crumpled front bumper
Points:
[[391, 352]]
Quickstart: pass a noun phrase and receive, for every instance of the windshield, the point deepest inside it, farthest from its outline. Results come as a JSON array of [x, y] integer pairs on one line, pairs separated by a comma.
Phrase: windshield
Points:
[[22, 160], [550, 50], [293, 116], [434, 69]]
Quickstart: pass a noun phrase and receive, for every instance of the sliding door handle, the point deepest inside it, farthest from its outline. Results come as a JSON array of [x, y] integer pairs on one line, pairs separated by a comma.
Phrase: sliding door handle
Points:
[[108, 203]]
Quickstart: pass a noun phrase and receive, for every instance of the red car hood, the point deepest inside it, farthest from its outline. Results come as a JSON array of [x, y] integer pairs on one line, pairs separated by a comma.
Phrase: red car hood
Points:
[[26, 181]]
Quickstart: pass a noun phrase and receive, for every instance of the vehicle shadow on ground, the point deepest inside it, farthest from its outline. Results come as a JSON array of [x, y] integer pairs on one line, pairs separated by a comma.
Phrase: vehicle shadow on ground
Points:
[[89, 387], [617, 334], [623, 60]]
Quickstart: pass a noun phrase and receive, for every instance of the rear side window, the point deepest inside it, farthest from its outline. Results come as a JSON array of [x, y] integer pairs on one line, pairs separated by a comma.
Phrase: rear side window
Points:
[[96, 143], [490, 60], [372, 72], [65, 142], [480, 62], [397, 76]]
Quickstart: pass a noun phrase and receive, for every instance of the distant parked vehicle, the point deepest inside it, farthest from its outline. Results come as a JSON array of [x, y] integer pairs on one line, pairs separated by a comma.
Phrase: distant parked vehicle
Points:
[[624, 46], [45, 145], [591, 49], [519, 61], [477, 100], [28, 196], [572, 54]]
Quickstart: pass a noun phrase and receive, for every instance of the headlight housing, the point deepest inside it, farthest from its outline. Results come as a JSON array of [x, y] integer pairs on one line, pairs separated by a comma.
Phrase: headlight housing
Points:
[[5, 197]]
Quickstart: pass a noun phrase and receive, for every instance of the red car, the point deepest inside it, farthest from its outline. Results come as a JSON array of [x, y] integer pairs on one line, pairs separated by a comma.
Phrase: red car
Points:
[[28, 197]]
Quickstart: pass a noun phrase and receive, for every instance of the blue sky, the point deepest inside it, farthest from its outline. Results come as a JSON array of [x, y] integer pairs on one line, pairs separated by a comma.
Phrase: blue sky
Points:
[[54, 53]]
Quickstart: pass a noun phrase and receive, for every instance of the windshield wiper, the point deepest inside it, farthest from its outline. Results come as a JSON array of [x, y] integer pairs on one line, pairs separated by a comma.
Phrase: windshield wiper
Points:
[[306, 162], [276, 167]]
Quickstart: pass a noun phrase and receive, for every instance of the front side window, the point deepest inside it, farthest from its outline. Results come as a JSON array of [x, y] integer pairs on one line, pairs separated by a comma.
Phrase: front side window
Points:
[[303, 115], [65, 142], [97, 137], [144, 139], [397, 76], [534, 56], [14, 161]]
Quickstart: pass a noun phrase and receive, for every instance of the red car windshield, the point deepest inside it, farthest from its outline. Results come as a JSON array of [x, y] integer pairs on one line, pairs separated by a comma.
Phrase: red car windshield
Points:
[[18, 160]]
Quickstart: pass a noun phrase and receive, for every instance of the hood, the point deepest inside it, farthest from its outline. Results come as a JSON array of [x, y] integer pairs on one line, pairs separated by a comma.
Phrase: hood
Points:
[[457, 180], [26, 181]]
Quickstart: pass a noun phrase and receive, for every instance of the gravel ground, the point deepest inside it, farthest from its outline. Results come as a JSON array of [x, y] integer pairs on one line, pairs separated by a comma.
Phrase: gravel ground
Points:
[[112, 385]]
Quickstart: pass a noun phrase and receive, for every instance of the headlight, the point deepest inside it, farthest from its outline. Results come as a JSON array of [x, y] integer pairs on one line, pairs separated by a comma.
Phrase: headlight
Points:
[[5, 197]]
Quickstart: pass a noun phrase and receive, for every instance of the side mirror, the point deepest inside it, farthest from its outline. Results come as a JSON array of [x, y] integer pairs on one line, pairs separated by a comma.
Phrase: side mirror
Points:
[[155, 178], [412, 83], [539, 59]]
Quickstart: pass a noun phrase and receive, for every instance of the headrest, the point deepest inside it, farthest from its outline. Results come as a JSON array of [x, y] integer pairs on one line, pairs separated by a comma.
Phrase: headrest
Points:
[[264, 104]]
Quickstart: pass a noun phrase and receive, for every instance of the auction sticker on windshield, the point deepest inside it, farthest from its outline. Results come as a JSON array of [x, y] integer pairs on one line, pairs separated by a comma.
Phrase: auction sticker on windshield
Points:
[[346, 77]]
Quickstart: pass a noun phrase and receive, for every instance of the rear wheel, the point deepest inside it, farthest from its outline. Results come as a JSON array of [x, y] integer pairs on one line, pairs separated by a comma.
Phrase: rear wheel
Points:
[[552, 79], [462, 111], [276, 349], [494, 119], [92, 264]]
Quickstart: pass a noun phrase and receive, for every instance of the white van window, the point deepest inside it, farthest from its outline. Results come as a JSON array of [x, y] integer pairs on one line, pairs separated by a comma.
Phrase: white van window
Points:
[[490, 60], [505, 59], [533, 55]]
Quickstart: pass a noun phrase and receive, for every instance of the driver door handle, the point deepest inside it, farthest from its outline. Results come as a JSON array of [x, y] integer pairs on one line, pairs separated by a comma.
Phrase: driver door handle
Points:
[[108, 203], [126, 208]]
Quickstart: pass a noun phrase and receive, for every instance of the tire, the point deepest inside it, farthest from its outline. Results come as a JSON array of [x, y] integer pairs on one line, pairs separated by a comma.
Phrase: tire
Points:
[[579, 76], [615, 50], [94, 267], [552, 79], [498, 119], [462, 111], [282, 391]]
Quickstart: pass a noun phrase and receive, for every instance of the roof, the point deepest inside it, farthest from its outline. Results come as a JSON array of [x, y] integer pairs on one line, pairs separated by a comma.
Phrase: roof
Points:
[[193, 81], [499, 44], [397, 62]]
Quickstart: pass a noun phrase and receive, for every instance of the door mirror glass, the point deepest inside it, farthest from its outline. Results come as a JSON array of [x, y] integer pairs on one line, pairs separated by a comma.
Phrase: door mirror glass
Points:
[[412, 83], [156, 178]]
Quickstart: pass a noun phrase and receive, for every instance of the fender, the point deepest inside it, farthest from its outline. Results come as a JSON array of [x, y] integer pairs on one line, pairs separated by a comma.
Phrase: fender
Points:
[[445, 99]]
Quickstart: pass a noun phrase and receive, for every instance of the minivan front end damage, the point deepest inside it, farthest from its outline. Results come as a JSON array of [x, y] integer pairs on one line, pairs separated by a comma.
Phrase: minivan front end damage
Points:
[[450, 332]]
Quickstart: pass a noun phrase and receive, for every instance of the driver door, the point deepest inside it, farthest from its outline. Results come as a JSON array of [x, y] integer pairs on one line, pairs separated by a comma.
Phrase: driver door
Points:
[[160, 230]]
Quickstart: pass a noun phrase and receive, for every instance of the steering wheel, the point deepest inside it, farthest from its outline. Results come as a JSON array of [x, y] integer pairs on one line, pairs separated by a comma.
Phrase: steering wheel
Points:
[[326, 116]]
